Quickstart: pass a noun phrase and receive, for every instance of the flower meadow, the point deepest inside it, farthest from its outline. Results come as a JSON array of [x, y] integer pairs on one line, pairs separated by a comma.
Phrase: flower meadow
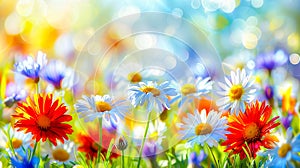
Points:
[[149, 84]]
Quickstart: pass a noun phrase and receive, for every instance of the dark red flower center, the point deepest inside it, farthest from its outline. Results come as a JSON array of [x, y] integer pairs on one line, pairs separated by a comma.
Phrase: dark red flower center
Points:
[[95, 147], [43, 122], [251, 132]]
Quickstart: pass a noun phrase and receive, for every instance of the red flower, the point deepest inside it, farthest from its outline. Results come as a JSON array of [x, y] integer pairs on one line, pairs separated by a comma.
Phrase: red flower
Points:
[[88, 146], [43, 118], [252, 127], [89, 143]]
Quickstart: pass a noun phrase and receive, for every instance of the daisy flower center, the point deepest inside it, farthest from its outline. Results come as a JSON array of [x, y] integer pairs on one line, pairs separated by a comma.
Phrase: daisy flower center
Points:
[[203, 129], [154, 135], [151, 89], [188, 89], [43, 122], [283, 150], [251, 132], [16, 143], [236, 92], [134, 77], [60, 155], [103, 106]]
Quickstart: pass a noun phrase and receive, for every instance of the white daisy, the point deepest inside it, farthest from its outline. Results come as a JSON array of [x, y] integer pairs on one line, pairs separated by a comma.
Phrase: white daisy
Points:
[[236, 90], [18, 139], [151, 93], [156, 131], [200, 128], [97, 106], [62, 153], [193, 88]]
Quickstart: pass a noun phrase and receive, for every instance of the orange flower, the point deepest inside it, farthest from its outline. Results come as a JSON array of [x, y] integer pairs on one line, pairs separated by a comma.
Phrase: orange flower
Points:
[[288, 102], [252, 127], [207, 104], [43, 118]]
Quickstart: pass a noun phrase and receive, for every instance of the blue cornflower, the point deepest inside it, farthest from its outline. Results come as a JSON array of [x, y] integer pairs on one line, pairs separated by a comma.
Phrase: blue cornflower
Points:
[[97, 106], [270, 61], [30, 67], [195, 160], [23, 161], [54, 73], [152, 94], [283, 155], [193, 89]]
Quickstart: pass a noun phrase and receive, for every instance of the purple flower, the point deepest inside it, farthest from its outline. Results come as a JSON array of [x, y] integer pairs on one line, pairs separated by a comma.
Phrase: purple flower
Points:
[[111, 125], [30, 67], [54, 73], [270, 61], [269, 92], [195, 159], [150, 149], [286, 121]]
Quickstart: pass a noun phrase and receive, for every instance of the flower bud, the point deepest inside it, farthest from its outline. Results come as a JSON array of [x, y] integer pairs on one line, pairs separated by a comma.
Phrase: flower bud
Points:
[[9, 101], [269, 92], [121, 143]]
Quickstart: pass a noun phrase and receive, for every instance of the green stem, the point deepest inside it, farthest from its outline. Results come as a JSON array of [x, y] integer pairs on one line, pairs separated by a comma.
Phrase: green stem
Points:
[[10, 139], [37, 88], [100, 138], [144, 139], [216, 163], [34, 149], [122, 159]]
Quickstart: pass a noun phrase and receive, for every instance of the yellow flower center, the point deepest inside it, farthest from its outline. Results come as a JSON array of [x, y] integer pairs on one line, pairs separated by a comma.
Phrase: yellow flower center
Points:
[[283, 150], [203, 129], [43, 122], [103, 106], [236, 92], [16, 143], [188, 89], [148, 89], [134, 77], [154, 135], [251, 132], [60, 155]]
